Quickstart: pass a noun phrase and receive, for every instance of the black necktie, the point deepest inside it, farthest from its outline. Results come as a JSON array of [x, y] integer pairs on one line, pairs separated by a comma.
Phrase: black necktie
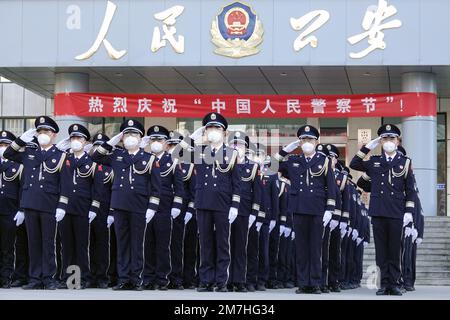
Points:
[[213, 152], [308, 159], [389, 159]]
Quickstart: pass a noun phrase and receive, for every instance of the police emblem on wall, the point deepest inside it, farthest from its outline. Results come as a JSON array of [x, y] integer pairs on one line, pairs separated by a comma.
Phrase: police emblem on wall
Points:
[[236, 31]]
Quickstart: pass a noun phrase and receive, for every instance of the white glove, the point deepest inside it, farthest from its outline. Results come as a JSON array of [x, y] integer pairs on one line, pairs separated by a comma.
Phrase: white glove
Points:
[[88, 147], [343, 233], [358, 241], [291, 146], [197, 134], [232, 215], [64, 144], [365, 244], [327, 217], [92, 216], [251, 220], [293, 235], [333, 224], [282, 228], [419, 241], [175, 212], [408, 232], [287, 232], [355, 234], [258, 226], [144, 142], [407, 218], [414, 234], [115, 140], [272, 225], [187, 217], [349, 232], [343, 225], [19, 217], [60, 213], [28, 135], [109, 221], [149, 215], [373, 144]]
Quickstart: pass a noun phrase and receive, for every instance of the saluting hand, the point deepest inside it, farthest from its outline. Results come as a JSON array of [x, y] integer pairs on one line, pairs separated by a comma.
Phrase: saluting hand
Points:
[[115, 140], [373, 143]]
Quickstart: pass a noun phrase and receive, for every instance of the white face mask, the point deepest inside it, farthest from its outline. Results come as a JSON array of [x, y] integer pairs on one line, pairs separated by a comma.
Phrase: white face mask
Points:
[[130, 142], [76, 145], [308, 147], [389, 147], [43, 139], [215, 136], [156, 147], [2, 150]]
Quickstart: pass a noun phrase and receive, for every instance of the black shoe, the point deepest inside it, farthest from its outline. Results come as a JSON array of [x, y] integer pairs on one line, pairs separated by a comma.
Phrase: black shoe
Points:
[[395, 292], [189, 286], [316, 290], [260, 287], [410, 289], [6, 284], [382, 292], [51, 285], [345, 286], [62, 285], [162, 287], [102, 285], [178, 287], [324, 289], [221, 289], [251, 288], [272, 285], [301, 290], [289, 285], [149, 286], [205, 288], [137, 287], [33, 286], [18, 283], [122, 286], [240, 287], [335, 288]]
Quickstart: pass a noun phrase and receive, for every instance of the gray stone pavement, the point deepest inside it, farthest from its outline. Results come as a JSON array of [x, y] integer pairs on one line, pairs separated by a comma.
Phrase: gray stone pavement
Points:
[[421, 293]]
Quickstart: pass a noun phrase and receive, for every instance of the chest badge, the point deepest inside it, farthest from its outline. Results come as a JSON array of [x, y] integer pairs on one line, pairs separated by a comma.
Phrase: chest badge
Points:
[[144, 162], [87, 166], [168, 164], [14, 170], [401, 167], [320, 166], [53, 160]]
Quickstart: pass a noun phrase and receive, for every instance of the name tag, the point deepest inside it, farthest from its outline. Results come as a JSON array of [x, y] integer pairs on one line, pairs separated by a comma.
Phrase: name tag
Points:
[[119, 158], [31, 156], [296, 165], [376, 164]]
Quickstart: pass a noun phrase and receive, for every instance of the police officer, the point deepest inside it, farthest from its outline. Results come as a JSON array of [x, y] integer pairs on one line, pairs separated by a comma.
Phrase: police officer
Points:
[[249, 204], [134, 198], [312, 200], [77, 209], [101, 225], [40, 194], [391, 202], [159, 230], [10, 215], [285, 249], [216, 200]]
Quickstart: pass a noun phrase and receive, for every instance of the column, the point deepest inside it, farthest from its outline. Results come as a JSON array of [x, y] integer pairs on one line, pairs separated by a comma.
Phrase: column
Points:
[[420, 141], [70, 82]]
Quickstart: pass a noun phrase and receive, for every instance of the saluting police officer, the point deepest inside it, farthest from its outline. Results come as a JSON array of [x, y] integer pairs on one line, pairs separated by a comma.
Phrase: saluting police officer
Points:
[[312, 200], [216, 200], [39, 199], [10, 215], [391, 202], [134, 198], [249, 204], [159, 230], [100, 227], [77, 209]]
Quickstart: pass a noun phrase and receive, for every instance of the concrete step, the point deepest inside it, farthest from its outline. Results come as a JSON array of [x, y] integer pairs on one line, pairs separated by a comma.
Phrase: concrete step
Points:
[[420, 252]]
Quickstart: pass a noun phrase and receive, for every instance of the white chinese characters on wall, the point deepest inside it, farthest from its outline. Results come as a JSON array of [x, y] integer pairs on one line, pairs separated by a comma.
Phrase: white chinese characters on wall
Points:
[[237, 31]]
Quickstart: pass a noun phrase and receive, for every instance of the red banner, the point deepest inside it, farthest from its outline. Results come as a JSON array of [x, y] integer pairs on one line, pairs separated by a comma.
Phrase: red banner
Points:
[[245, 106]]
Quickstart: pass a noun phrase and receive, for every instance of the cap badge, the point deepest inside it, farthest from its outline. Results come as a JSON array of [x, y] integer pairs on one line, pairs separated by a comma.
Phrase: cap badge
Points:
[[319, 148], [213, 116], [75, 127], [99, 136], [237, 135], [388, 127], [3, 134], [171, 134], [130, 123], [41, 120], [307, 129], [156, 129]]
